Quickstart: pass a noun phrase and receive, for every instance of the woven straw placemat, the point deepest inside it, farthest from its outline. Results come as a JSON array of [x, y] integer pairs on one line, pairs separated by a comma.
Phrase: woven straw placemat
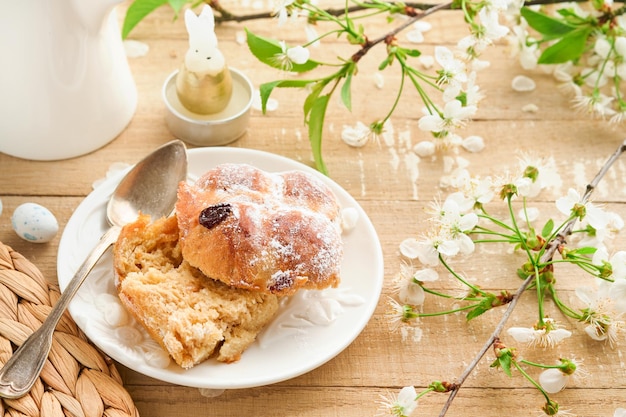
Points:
[[77, 379]]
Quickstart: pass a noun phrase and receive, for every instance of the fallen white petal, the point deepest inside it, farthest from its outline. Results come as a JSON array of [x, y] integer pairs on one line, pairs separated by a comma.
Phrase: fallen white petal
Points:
[[415, 36], [427, 61], [523, 83], [240, 37], [379, 80], [473, 144], [530, 108], [410, 248], [349, 218], [135, 49], [271, 105], [424, 148], [356, 136]]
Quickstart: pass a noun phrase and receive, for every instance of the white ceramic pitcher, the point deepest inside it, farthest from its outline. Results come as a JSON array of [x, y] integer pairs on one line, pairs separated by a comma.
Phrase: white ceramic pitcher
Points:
[[65, 85]]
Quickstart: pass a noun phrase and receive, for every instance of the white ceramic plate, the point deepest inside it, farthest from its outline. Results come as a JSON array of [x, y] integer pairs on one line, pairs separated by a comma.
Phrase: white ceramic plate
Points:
[[310, 328]]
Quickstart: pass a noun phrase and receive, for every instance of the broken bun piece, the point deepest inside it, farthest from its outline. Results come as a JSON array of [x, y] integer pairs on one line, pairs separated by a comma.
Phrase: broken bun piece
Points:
[[192, 316]]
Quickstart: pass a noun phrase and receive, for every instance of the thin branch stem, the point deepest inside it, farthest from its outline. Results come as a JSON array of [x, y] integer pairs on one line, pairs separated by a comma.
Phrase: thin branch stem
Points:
[[225, 16], [470, 368], [551, 249]]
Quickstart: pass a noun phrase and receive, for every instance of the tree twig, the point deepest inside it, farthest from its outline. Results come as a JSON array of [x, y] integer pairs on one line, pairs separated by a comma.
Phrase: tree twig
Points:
[[226, 16], [547, 256]]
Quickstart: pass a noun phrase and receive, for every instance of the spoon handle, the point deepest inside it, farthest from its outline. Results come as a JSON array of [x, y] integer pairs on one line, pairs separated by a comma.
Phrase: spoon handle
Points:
[[23, 368]]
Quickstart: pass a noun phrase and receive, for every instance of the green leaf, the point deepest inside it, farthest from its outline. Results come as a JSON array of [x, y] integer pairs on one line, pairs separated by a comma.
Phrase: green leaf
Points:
[[412, 52], [547, 229], [503, 362], [570, 48], [266, 50], [316, 90], [316, 127], [485, 305], [346, 92], [586, 250], [266, 89], [137, 11], [549, 27], [386, 62], [177, 5]]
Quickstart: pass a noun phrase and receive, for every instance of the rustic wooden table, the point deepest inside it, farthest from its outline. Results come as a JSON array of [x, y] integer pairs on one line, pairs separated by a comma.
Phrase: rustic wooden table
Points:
[[394, 187]]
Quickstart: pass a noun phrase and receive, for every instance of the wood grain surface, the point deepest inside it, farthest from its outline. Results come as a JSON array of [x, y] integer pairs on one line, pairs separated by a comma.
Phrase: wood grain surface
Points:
[[394, 188]]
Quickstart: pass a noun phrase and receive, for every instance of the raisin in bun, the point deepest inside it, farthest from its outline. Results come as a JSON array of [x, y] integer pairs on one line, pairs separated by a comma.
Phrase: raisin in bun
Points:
[[268, 232]]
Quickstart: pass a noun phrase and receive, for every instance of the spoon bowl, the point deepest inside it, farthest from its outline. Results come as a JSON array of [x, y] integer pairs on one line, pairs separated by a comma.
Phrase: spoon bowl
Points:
[[150, 187]]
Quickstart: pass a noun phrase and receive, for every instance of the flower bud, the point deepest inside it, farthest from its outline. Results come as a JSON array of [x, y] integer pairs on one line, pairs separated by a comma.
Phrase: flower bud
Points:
[[508, 191], [553, 380], [551, 408]]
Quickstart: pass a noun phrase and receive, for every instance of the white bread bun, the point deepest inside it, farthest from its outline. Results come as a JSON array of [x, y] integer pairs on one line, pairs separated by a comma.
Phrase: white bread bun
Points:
[[272, 233]]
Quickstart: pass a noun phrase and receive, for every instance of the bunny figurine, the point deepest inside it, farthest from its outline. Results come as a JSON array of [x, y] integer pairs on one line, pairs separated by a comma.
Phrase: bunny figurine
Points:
[[204, 83]]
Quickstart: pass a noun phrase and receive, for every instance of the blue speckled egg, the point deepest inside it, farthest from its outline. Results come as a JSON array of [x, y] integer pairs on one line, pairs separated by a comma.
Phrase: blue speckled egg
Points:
[[34, 223]]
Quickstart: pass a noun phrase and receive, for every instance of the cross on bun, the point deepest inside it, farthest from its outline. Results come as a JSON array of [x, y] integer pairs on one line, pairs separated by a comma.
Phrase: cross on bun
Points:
[[273, 233]]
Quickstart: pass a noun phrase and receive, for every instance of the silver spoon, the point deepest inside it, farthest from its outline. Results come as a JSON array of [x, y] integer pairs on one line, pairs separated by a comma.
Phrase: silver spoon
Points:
[[150, 187]]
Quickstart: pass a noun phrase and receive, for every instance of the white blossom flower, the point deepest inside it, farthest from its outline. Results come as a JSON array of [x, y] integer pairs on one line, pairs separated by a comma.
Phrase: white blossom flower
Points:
[[617, 262], [298, 54], [498, 5], [547, 337], [453, 226], [489, 18], [280, 10], [289, 56], [398, 314], [312, 37], [453, 70], [596, 104], [401, 405], [428, 250], [454, 115], [600, 236], [596, 217], [478, 190], [527, 52], [603, 322], [564, 74], [526, 187], [472, 91], [408, 284]]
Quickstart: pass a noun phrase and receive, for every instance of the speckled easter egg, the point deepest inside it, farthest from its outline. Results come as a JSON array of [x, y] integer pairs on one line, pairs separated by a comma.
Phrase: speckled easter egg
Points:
[[34, 223]]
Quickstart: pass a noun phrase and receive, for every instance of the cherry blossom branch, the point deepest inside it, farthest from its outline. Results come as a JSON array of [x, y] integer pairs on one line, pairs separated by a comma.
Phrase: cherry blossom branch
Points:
[[386, 38], [412, 9], [551, 249]]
